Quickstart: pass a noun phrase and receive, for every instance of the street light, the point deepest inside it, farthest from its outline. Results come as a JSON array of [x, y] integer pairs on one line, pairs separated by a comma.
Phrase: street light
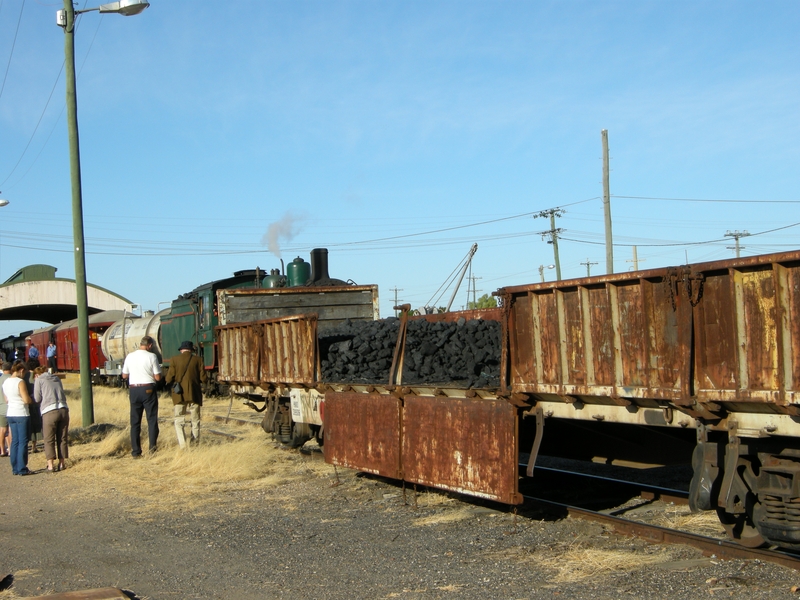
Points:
[[66, 19], [542, 268]]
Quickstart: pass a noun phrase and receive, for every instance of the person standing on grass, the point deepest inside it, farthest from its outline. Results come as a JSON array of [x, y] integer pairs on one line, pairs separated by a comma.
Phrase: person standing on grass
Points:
[[51, 354], [5, 432], [188, 370], [49, 394], [16, 392], [142, 371]]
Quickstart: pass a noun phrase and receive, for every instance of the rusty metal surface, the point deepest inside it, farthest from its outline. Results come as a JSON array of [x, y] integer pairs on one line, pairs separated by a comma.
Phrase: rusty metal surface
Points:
[[239, 352], [724, 331], [599, 340], [275, 351], [289, 350], [464, 445], [362, 431]]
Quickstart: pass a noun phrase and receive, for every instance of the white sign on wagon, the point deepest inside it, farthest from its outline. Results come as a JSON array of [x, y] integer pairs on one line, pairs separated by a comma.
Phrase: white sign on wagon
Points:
[[306, 406]]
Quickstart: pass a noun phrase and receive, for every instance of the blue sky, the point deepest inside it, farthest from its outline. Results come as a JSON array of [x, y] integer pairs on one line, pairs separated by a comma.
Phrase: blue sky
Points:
[[351, 124]]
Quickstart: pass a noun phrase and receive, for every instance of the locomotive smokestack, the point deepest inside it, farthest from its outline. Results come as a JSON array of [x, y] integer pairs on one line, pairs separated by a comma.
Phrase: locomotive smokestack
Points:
[[319, 265]]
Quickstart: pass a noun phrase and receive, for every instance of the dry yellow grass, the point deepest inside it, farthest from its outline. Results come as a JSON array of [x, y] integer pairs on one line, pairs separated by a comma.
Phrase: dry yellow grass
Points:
[[578, 562], [704, 523], [194, 479]]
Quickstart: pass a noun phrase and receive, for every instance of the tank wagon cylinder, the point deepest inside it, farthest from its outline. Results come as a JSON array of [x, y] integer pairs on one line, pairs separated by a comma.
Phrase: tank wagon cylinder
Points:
[[123, 337]]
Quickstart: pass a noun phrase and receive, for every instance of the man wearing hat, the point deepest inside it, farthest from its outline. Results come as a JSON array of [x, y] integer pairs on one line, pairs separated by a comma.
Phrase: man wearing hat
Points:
[[188, 370]]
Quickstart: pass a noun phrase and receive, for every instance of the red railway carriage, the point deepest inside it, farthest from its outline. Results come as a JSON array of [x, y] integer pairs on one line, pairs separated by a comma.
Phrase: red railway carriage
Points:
[[66, 336], [42, 338]]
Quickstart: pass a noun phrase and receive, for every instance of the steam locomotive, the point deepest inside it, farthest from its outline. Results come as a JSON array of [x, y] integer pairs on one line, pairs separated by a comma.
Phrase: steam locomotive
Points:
[[192, 316]]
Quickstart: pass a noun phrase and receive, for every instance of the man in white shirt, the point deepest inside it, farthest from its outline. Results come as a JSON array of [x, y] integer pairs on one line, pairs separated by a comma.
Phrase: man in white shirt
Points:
[[142, 371]]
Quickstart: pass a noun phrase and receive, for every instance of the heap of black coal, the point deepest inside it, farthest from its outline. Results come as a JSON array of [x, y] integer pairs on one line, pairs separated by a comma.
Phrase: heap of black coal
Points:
[[464, 354], [358, 351]]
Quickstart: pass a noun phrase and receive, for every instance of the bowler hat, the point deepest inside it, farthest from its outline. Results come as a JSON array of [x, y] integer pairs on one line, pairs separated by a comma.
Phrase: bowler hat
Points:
[[187, 345]]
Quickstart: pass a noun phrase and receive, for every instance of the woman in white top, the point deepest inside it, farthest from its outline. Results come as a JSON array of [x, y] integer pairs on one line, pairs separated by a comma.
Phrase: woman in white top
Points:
[[5, 434], [15, 389]]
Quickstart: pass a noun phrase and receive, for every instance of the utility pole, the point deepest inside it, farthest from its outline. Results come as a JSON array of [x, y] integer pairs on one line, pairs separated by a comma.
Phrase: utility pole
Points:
[[589, 264], [473, 279], [607, 205], [553, 233], [395, 290], [635, 260], [736, 235]]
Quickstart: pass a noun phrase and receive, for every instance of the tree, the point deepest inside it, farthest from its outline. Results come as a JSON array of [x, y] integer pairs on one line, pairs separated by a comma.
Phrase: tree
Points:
[[485, 301]]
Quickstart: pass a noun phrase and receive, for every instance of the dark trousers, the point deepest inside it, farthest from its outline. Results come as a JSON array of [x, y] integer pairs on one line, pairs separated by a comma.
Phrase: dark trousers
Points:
[[143, 399]]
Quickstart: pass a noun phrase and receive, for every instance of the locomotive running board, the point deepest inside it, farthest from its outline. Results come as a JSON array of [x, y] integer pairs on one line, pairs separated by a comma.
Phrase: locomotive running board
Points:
[[465, 445]]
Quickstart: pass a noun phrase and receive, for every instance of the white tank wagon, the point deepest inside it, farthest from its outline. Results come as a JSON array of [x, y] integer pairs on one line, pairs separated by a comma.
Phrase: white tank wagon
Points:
[[123, 337]]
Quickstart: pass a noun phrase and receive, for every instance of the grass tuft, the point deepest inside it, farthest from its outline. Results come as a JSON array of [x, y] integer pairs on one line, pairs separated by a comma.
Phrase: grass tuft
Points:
[[208, 474], [579, 563]]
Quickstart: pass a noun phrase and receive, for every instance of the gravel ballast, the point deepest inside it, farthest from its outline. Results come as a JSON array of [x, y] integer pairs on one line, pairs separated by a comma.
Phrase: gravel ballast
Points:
[[358, 539]]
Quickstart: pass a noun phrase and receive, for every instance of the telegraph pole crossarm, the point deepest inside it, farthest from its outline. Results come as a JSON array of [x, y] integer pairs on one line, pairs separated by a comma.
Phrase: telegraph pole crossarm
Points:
[[588, 264], [396, 304], [736, 235], [553, 234]]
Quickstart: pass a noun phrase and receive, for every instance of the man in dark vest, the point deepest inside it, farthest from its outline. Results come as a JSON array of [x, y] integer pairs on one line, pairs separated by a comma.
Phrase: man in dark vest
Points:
[[188, 370]]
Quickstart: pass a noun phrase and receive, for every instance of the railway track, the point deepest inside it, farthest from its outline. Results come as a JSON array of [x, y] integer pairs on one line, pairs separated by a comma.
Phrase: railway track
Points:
[[613, 516], [610, 494]]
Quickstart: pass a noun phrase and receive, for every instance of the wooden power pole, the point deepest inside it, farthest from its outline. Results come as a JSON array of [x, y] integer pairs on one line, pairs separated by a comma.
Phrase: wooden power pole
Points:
[[607, 205]]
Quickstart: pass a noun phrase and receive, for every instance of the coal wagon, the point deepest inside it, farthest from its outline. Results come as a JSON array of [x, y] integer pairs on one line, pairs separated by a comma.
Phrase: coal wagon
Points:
[[268, 348], [710, 349], [695, 364]]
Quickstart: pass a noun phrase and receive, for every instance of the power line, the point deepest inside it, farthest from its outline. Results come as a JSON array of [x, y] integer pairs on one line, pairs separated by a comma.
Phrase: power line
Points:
[[709, 200], [13, 45], [44, 110], [685, 243], [408, 235]]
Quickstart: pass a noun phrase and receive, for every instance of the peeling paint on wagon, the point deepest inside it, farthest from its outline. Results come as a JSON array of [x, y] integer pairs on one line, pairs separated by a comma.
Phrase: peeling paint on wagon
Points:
[[276, 351], [459, 444], [362, 431], [721, 332], [481, 433]]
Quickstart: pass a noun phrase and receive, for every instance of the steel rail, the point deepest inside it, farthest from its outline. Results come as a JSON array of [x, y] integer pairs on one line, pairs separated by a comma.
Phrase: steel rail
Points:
[[722, 549]]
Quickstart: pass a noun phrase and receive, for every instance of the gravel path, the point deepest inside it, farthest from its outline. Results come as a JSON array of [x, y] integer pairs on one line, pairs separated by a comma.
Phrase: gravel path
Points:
[[310, 539]]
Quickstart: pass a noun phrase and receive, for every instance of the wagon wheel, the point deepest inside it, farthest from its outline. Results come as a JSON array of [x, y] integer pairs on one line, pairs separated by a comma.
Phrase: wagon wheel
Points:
[[300, 435], [741, 529]]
